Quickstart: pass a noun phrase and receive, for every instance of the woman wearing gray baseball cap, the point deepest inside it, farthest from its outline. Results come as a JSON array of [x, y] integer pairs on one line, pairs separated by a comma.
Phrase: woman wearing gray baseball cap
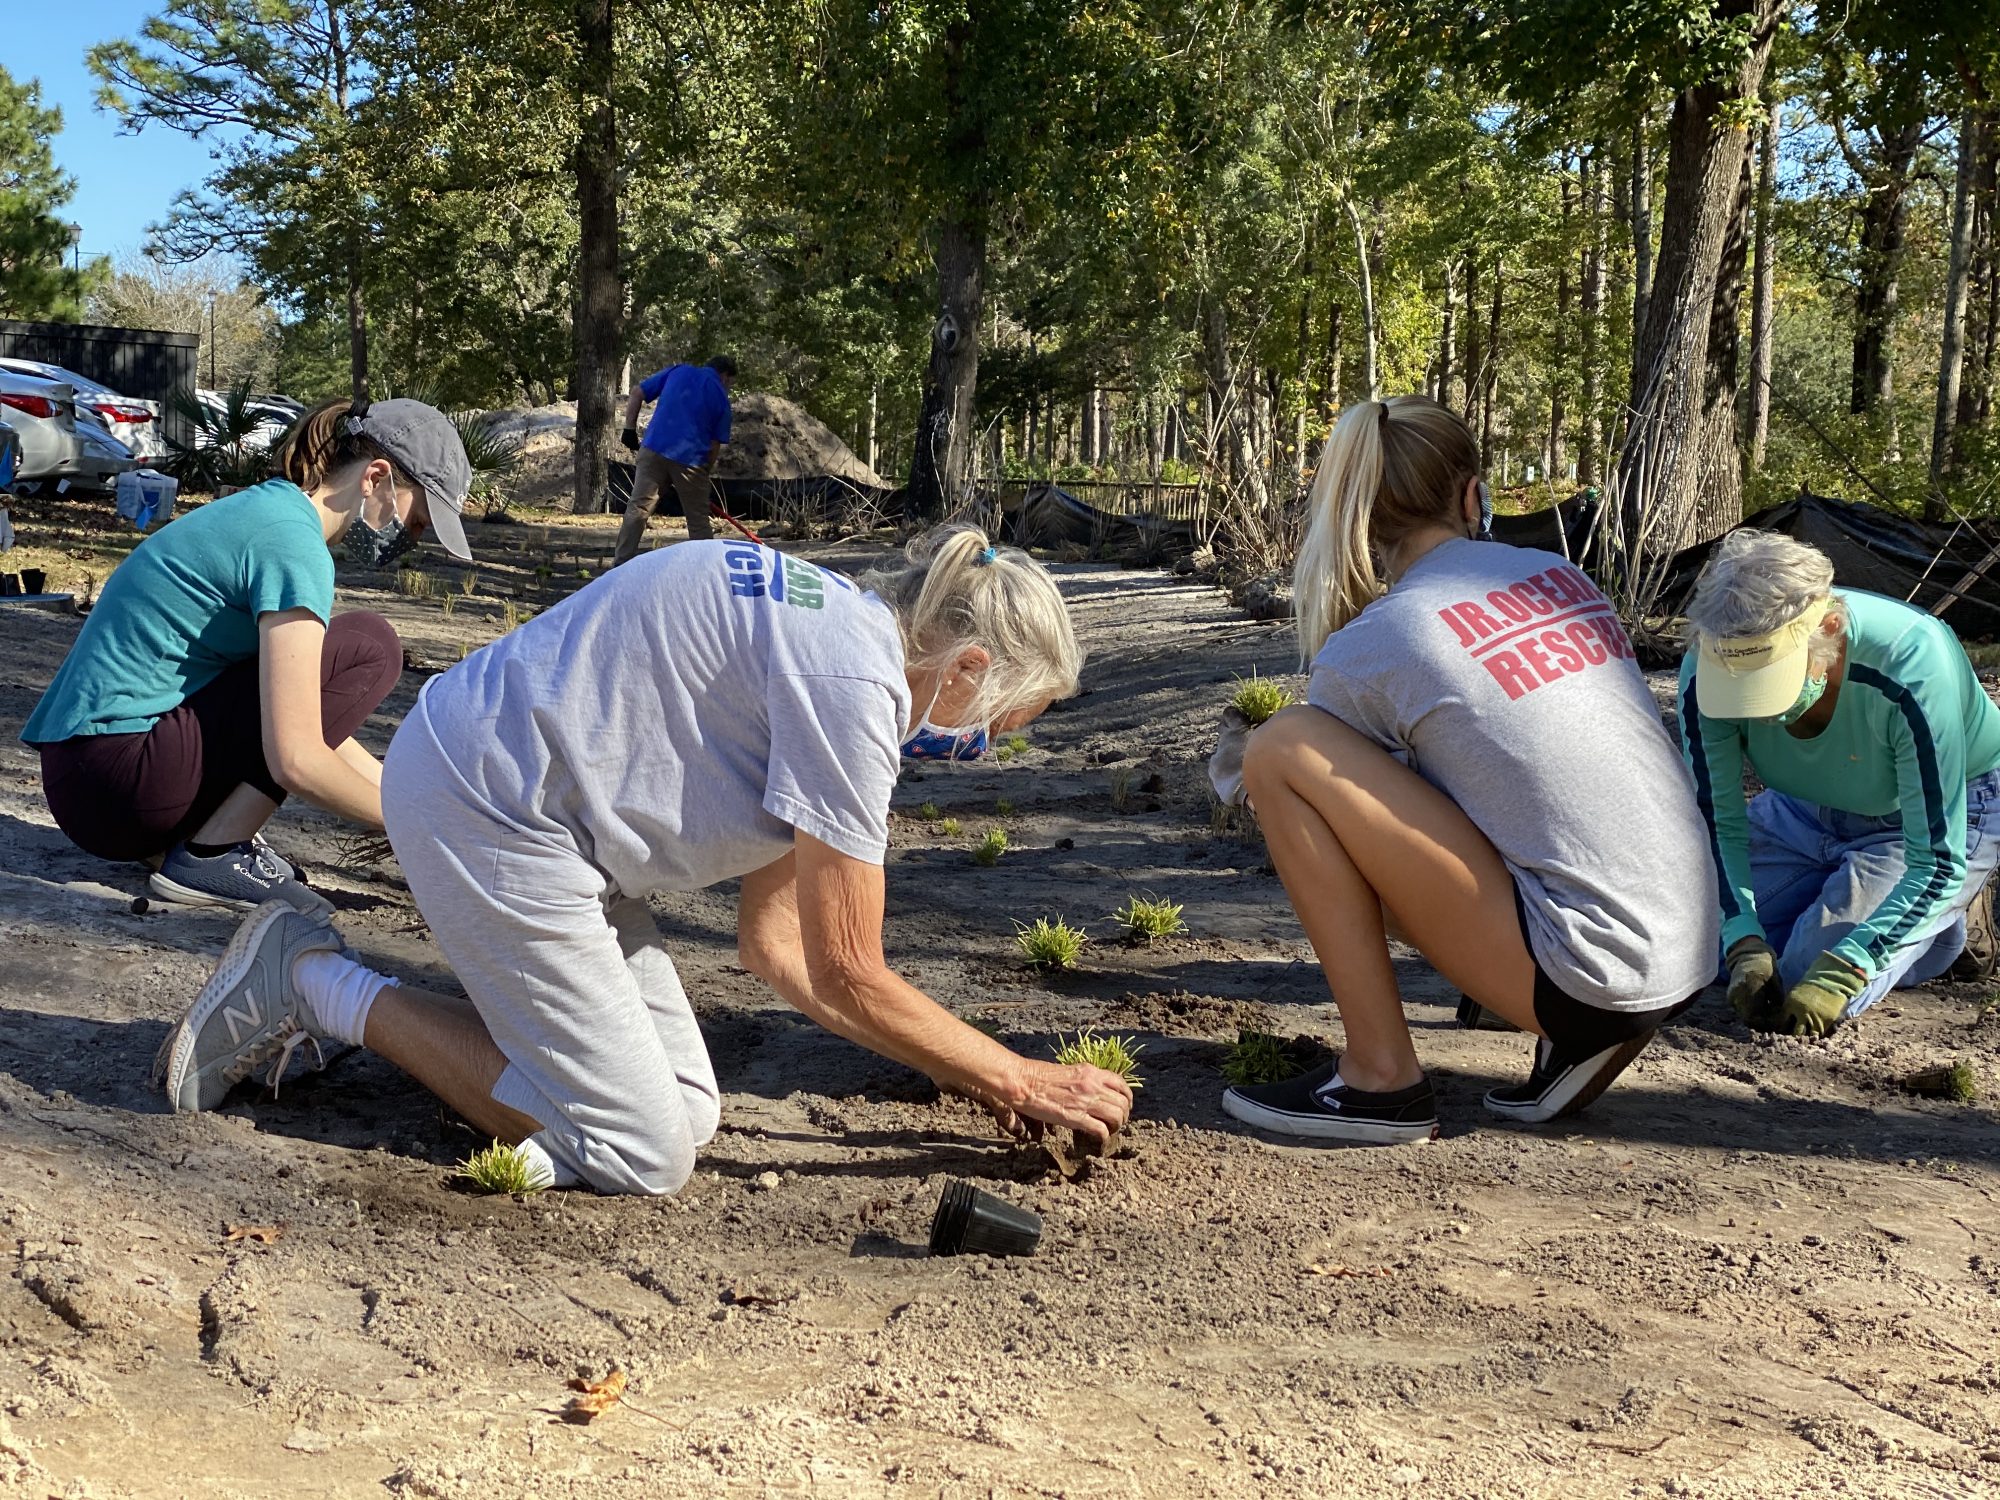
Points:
[[213, 678]]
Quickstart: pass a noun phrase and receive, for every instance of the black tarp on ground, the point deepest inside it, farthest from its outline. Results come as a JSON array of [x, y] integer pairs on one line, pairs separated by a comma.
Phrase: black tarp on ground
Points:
[[1870, 548], [762, 499], [1049, 516]]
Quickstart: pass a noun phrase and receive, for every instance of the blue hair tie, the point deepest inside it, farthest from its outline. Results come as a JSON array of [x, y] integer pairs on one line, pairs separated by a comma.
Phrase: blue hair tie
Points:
[[991, 554]]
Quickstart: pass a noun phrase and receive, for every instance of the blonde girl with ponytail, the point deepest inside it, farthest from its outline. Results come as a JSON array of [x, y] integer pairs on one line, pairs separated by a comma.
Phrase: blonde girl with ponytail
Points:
[[712, 711], [1479, 767]]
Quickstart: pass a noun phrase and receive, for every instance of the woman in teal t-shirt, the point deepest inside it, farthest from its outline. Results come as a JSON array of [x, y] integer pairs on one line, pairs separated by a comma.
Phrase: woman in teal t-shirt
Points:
[[212, 678], [1864, 863]]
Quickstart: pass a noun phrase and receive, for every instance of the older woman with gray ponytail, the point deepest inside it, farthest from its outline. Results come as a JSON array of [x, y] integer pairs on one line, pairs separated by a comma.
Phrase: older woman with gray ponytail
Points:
[[1865, 863], [1480, 764], [710, 711]]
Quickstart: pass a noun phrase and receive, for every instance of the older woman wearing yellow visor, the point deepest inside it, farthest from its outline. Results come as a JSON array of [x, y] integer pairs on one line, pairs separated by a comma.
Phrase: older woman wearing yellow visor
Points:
[[1864, 864]]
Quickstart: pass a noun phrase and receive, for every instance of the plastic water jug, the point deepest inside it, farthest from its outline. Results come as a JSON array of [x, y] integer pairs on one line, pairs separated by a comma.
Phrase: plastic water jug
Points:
[[145, 497]]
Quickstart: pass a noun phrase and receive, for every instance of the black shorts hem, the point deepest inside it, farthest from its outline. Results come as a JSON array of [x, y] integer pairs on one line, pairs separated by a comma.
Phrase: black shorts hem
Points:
[[1576, 1029]]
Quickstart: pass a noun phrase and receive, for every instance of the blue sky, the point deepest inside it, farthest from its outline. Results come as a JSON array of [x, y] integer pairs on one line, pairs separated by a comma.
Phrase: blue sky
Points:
[[123, 182]]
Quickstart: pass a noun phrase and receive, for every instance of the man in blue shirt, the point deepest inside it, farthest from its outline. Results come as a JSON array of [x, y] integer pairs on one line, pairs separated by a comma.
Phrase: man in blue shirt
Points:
[[690, 424]]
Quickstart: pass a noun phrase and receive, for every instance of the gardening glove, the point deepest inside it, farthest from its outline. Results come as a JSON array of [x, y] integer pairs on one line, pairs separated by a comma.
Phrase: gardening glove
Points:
[[630, 438], [1754, 992], [1817, 1004], [1225, 766]]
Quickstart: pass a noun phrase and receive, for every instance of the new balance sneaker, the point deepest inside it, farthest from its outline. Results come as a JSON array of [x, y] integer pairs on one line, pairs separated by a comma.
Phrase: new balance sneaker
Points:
[[1318, 1106], [249, 1019], [1560, 1086], [1981, 954], [243, 876]]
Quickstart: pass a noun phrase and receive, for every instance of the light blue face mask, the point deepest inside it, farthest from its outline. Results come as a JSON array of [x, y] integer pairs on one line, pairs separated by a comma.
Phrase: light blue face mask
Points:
[[1810, 693]]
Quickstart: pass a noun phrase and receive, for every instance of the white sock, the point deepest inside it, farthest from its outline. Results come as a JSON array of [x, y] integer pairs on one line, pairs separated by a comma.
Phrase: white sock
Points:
[[340, 992]]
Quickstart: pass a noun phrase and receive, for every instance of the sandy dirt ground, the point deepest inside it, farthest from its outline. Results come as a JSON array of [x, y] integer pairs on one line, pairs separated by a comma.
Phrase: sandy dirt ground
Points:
[[1756, 1268]]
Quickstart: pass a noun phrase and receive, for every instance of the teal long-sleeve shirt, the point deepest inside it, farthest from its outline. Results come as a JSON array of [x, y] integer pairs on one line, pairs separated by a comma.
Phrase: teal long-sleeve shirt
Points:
[[1912, 725]]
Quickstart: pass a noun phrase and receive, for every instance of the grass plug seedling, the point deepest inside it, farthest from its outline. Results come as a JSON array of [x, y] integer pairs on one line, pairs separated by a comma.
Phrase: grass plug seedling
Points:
[[503, 1169], [929, 812], [1257, 698], [1258, 1057], [1956, 1082], [950, 828], [1114, 1054], [1004, 808], [1050, 945], [1121, 789], [991, 848], [1147, 918]]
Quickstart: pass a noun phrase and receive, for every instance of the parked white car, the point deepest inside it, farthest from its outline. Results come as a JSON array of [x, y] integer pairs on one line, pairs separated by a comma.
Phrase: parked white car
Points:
[[133, 421], [57, 442]]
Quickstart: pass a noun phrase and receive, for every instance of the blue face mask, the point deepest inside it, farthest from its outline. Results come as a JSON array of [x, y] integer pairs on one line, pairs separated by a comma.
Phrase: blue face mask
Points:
[[930, 742], [1485, 513], [373, 548]]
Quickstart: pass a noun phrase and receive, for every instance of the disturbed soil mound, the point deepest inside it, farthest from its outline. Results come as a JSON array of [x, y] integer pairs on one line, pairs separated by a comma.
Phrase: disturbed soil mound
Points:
[[770, 439]]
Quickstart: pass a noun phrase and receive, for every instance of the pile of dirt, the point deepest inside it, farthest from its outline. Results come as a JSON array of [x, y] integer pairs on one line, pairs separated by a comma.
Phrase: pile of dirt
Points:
[[770, 439]]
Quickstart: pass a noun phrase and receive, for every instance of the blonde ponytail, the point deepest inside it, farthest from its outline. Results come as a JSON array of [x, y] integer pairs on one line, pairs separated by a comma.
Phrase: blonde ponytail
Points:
[[1388, 468], [957, 589]]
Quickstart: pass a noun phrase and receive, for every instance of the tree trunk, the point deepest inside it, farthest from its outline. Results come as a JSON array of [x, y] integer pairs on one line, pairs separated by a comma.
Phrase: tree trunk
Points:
[[1448, 336], [1559, 333], [1951, 355], [1305, 360], [1680, 473], [1884, 230], [1368, 373], [357, 327], [1642, 244], [1331, 372], [1590, 445], [600, 301], [1975, 389], [940, 468], [1490, 385], [1763, 303], [1229, 435], [1721, 458], [1471, 367]]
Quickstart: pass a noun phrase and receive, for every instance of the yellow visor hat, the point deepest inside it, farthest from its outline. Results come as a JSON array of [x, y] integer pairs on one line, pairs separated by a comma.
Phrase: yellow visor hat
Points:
[[1755, 676]]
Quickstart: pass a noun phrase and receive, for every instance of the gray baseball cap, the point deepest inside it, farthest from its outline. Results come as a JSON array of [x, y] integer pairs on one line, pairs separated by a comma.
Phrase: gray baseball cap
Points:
[[426, 447]]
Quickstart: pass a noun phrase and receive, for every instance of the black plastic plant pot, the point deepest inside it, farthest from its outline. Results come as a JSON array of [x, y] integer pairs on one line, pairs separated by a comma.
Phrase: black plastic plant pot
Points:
[[10, 584], [970, 1222], [33, 580]]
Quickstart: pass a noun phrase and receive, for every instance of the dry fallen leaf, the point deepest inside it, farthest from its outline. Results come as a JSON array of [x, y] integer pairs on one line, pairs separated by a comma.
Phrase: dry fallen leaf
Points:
[[745, 1295], [263, 1234], [1319, 1268], [598, 1397]]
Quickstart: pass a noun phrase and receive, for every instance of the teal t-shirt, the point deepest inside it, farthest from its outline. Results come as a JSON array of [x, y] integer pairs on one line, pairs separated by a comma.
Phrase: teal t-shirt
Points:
[[183, 607], [1911, 727]]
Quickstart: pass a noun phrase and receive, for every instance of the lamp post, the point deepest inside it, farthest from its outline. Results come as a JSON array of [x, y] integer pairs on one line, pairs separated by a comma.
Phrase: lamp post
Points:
[[75, 252], [211, 340]]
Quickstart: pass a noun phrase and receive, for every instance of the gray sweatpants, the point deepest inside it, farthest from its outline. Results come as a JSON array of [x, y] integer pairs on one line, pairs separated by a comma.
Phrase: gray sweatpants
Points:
[[602, 1046]]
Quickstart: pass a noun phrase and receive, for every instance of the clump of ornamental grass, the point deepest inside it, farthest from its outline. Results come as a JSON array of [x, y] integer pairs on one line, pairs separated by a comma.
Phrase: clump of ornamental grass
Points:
[[1145, 918], [503, 1169], [1257, 698], [1121, 788], [1050, 945], [1013, 745], [990, 848], [1114, 1054], [469, 584], [415, 583], [1258, 1057], [951, 829], [1956, 1082], [510, 615], [1004, 808], [929, 812], [450, 605]]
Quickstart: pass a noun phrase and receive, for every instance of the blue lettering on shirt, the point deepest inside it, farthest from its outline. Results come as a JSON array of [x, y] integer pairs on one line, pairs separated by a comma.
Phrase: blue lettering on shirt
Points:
[[766, 573]]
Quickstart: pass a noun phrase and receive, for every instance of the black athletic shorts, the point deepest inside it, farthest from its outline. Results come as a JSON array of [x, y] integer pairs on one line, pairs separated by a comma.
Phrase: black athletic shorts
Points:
[[1579, 1030]]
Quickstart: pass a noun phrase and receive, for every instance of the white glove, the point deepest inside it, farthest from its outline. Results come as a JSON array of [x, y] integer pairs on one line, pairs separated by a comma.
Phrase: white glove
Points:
[[1225, 766]]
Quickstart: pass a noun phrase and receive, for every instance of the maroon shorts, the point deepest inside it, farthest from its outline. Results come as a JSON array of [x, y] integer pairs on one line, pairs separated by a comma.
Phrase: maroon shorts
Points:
[[129, 796]]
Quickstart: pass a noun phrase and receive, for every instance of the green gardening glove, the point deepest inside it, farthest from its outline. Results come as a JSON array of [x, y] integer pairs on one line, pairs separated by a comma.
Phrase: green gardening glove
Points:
[[1754, 993], [1817, 1004]]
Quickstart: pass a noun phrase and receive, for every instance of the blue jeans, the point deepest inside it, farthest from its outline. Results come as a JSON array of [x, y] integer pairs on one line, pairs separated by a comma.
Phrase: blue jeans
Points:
[[1818, 873]]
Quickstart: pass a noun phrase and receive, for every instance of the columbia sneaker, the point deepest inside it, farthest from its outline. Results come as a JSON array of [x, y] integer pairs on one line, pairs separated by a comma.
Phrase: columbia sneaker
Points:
[[243, 876], [1981, 954], [1318, 1106], [250, 1018], [1564, 1086]]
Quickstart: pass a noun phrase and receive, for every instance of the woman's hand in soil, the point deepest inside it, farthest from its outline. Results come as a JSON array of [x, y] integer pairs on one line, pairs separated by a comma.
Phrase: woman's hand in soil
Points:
[[1084, 1099]]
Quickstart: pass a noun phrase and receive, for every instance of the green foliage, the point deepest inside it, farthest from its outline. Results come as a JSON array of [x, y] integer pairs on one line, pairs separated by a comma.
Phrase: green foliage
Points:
[[990, 848], [1258, 1057], [38, 278], [1954, 1081], [950, 828], [1147, 918], [503, 1169], [1004, 808], [1257, 698], [1114, 1054], [221, 452], [1050, 945], [929, 812]]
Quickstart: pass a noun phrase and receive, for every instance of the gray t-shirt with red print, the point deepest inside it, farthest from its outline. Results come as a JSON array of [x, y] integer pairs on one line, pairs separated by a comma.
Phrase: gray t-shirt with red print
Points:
[[1502, 676]]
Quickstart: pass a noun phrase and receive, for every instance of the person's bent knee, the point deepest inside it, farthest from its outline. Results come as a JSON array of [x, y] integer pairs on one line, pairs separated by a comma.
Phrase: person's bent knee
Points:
[[642, 1169], [365, 628], [1273, 750]]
